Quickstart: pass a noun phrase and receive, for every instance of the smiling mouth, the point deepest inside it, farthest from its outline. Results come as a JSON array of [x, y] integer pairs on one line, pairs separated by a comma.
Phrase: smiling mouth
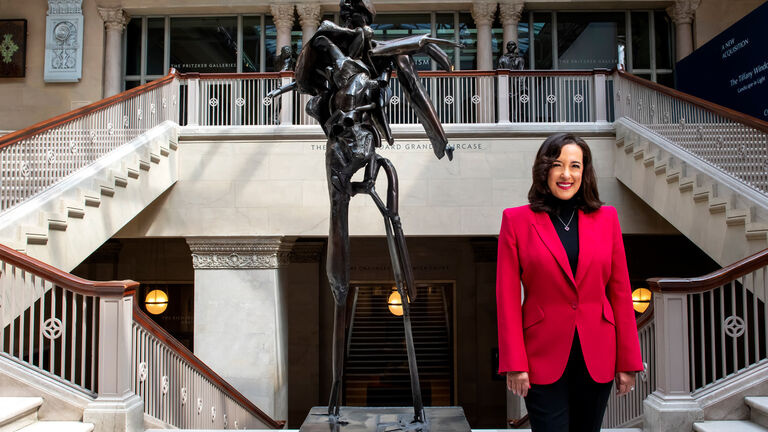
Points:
[[564, 186]]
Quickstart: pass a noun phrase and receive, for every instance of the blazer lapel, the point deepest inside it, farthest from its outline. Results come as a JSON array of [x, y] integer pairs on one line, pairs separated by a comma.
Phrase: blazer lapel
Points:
[[548, 235], [586, 227]]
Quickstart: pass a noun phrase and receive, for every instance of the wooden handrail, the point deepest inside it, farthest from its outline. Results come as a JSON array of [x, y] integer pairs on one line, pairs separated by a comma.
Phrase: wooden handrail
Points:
[[64, 279], [712, 280], [51, 123], [153, 328], [645, 318], [713, 107]]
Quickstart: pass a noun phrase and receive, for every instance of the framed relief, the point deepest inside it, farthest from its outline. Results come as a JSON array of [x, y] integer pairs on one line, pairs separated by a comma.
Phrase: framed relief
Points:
[[13, 48]]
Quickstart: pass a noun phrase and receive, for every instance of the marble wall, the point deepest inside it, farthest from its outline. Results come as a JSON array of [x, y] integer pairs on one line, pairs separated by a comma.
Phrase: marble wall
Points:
[[277, 187]]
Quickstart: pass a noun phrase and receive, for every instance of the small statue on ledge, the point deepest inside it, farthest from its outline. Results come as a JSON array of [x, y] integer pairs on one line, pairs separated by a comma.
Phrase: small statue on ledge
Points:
[[512, 59], [286, 60]]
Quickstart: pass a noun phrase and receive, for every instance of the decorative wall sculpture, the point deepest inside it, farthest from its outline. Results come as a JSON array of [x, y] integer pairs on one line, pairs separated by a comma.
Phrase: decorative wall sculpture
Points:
[[13, 48], [64, 41]]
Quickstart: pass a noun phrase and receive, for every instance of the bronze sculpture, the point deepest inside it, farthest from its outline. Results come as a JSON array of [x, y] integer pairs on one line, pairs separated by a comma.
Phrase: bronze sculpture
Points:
[[512, 59], [347, 74]]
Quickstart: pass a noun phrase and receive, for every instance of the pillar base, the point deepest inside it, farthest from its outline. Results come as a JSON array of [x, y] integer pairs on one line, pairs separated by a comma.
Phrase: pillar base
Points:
[[664, 413], [116, 414]]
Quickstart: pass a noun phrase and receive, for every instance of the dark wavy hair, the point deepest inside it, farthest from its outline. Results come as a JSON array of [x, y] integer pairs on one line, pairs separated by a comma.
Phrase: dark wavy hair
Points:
[[540, 197]]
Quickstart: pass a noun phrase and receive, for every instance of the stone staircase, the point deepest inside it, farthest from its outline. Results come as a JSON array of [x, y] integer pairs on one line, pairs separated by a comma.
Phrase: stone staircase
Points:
[[758, 419], [21, 414], [66, 223], [725, 218]]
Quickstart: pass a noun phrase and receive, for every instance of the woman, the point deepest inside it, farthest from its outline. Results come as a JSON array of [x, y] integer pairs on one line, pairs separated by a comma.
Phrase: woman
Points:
[[576, 330]]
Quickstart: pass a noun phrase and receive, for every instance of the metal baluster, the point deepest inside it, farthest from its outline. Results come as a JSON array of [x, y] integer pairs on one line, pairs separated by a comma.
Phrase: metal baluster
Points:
[[745, 310], [755, 317], [692, 342], [94, 341], [703, 365], [63, 344], [51, 341], [734, 345]]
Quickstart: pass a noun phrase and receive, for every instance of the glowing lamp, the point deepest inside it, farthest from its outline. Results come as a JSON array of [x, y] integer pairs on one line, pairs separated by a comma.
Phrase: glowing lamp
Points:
[[641, 299], [156, 302], [395, 303]]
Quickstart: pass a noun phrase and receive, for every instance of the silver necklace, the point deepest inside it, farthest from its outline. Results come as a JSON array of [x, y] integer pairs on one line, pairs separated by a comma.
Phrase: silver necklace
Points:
[[566, 225]]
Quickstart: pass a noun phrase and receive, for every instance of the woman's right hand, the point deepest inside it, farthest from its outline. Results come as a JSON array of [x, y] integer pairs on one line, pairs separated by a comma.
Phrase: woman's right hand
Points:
[[518, 383]]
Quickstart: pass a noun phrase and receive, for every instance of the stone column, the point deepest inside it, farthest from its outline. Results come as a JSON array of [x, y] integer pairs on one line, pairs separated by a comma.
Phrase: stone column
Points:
[[282, 16], [482, 13], [682, 13], [510, 12], [309, 17], [115, 20], [240, 319]]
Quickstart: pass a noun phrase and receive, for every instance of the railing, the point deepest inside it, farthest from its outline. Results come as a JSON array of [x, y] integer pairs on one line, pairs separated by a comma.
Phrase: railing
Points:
[[181, 390], [458, 97], [51, 319], [91, 337], [35, 158], [627, 410], [232, 99], [734, 143], [711, 328]]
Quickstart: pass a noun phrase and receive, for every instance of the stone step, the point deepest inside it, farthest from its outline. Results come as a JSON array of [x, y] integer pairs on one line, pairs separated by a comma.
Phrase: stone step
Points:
[[34, 234], [735, 217], [718, 205], [18, 412], [58, 426], [686, 184], [756, 231], [90, 198], [73, 209], [758, 409], [728, 426], [701, 194], [673, 176], [56, 221]]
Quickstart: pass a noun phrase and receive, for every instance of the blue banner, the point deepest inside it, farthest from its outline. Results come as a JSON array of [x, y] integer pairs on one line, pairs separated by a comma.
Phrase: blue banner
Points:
[[732, 69]]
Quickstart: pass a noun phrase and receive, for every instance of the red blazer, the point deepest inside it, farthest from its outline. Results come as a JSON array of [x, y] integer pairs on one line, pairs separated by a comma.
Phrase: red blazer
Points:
[[536, 337]]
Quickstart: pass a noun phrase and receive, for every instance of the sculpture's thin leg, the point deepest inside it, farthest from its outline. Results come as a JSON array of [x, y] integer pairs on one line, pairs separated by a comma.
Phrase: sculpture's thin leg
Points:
[[337, 269], [339, 331], [403, 273]]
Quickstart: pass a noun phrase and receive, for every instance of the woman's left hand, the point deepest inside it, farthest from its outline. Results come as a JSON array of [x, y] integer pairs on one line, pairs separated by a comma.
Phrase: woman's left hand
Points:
[[625, 382]]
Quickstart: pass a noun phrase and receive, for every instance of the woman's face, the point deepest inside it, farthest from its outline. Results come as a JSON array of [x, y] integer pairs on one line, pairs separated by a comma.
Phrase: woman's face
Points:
[[564, 178]]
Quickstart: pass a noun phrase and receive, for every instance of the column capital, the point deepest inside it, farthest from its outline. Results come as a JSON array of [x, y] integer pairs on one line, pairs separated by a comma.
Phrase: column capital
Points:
[[114, 18], [683, 11], [483, 12], [309, 14], [61, 7], [511, 11], [282, 15], [210, 253]]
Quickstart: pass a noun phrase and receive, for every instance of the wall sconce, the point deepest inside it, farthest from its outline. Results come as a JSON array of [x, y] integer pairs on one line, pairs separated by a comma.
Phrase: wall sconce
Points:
[[156, 302], [641, 299], [395, 303]]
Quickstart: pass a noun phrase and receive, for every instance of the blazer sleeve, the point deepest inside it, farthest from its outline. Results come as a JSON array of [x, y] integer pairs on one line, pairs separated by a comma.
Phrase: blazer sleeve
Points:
[[628, 355], [512, 356]]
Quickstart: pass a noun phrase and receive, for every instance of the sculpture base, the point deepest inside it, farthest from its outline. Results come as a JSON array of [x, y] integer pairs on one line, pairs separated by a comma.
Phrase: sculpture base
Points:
[[386, 419]]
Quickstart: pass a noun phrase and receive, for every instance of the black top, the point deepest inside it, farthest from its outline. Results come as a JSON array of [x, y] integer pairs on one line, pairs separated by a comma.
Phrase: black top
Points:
[[570, 237]]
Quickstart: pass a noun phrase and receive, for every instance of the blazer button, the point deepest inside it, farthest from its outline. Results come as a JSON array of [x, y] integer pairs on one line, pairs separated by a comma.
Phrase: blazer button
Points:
[[574, 305]]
